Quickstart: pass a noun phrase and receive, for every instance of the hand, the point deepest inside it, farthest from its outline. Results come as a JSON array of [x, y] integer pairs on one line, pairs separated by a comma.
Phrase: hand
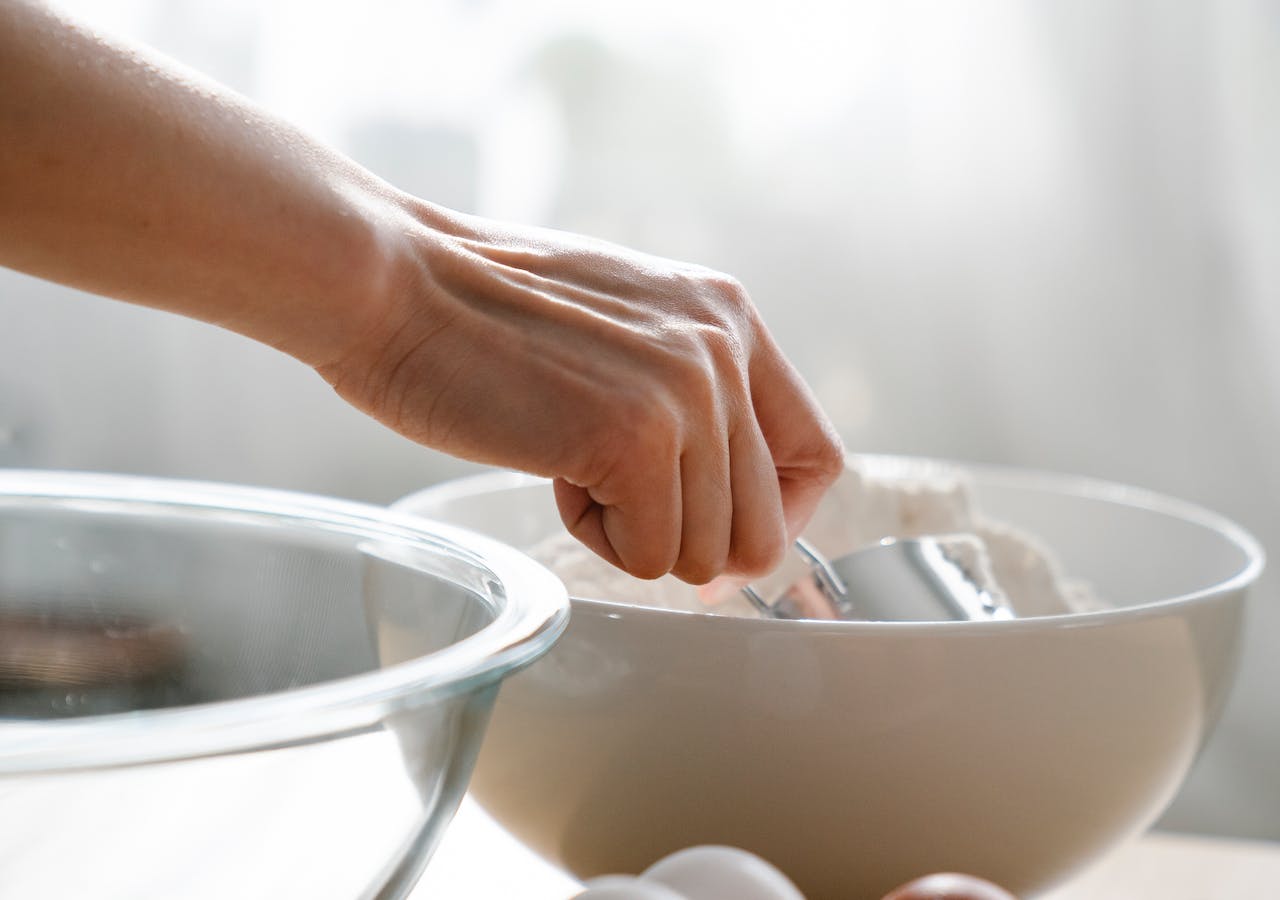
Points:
[[679, 437]]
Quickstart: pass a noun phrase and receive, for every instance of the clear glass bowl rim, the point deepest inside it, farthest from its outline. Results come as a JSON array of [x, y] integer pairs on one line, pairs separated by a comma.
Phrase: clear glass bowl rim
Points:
[[534, 614]]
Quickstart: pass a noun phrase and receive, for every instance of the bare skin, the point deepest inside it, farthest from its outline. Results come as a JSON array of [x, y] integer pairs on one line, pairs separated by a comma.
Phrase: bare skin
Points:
[[680, 438]]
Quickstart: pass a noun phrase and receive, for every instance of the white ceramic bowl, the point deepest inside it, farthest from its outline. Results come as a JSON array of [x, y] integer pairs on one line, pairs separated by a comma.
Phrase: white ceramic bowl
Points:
[[856, 756], [211, 692]]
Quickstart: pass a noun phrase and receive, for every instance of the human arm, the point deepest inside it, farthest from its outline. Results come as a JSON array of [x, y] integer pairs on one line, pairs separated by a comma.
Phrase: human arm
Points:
[[679, 436]]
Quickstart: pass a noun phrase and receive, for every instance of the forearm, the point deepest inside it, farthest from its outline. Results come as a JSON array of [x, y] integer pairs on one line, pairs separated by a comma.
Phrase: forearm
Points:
[[680, 437], [124, 175]]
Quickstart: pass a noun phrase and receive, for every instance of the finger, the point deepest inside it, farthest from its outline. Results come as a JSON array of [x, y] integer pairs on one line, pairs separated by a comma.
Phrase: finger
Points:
[[806, 451], [583, 518], [634, 524], [706, 508], [758, 535]]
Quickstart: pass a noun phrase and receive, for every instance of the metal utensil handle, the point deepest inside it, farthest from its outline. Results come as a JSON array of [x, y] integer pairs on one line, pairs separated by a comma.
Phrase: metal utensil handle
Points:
[[824, 576]]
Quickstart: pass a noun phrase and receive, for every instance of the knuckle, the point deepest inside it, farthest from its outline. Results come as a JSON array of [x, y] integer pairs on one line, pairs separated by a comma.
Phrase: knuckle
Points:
[[648, 567], [722, 346], [718, 297], [649, 557], [734, 302], [729, 289], [696, 571], [704, 362], [762, 555], [828, 459]]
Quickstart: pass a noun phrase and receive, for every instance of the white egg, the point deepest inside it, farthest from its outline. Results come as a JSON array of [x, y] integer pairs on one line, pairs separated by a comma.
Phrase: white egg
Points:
[[721, 873], [625, 887]]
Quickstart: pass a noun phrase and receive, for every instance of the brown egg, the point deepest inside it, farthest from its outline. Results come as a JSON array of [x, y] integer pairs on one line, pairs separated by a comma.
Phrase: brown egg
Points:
[[949, 886]]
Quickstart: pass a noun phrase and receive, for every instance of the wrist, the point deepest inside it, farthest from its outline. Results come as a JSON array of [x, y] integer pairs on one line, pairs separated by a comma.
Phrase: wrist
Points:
[[349, 283], [382, 284]]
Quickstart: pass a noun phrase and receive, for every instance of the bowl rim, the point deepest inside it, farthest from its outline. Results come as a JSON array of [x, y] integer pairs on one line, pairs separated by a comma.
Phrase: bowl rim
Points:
[[984, 473], [532, 615]]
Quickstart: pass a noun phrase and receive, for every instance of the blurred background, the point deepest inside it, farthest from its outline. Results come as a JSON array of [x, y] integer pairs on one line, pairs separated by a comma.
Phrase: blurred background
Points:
[[1038, 233]]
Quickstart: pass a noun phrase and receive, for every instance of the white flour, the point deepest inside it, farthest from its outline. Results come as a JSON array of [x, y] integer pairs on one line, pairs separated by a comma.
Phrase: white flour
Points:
[[863, 507]]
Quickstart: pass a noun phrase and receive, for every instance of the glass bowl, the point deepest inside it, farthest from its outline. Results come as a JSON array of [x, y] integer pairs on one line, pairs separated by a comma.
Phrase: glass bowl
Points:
[[210, 691], [858, 755]]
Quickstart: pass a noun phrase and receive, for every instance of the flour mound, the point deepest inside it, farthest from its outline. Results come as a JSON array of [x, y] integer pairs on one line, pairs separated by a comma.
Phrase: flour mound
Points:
[[867, 504]]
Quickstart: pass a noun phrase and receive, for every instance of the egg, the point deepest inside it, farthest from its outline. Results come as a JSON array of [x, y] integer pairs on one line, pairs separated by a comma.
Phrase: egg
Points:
[[728, 873], [699, 873], [625, 887], [949, 886], [722, 873]]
